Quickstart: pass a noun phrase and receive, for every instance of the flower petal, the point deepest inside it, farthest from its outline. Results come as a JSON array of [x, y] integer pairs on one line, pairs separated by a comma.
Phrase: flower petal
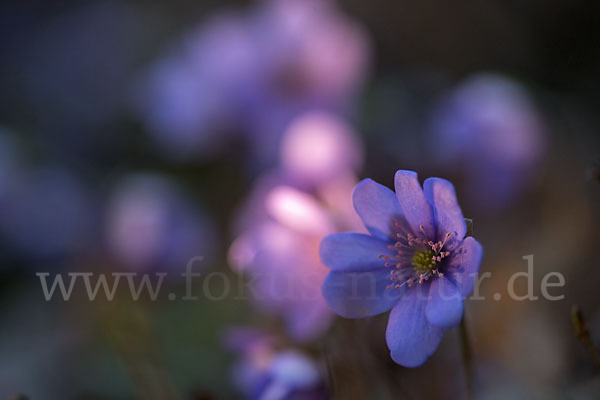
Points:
[[377, 206], [445, 305], [410, 337], [298, 210], [353, 251], [360, 294], [448, 215], [415, 207], [464, 265]]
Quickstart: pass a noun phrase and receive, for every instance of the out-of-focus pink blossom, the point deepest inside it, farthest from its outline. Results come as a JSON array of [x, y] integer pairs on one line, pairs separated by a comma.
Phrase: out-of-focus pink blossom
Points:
[[281, 250], [315, 46], [252, 73], [319, 147], [151, 224], [289, 212]]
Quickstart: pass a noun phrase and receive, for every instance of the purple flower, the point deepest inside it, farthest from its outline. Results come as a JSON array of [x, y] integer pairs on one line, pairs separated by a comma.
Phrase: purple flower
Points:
[[282, 253], [490, 128], [416, 262], [251, 73], [265, 371], [150, 224], [192, 97], [287, 215], [293, 375], [279, 246], [255, 350], [318, 147]]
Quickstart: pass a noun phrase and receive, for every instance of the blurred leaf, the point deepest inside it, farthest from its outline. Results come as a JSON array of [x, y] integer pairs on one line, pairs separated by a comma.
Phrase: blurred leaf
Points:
[[469, 223]]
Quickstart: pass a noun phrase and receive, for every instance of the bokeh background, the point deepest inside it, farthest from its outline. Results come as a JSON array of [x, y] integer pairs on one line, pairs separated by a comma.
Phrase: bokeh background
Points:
[[135, 135]]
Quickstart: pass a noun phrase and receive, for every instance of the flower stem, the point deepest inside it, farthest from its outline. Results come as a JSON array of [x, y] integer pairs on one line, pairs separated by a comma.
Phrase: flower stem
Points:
[[582, 332], [467, 355]]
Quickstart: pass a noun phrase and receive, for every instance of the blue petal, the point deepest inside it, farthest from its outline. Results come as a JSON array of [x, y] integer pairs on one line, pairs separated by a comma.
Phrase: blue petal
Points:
[[410, 337], [464, 265], [353, 252], [445, 305], [377, 206], [442, 197], [360, 294], [414, 205]]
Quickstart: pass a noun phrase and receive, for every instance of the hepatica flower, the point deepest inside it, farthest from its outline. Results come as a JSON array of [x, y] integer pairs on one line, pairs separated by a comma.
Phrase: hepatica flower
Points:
[[318, 147], [491, 131], [281, 251], [416, 261], [266, 371], [287, 215], [151, 224], [250, 73]]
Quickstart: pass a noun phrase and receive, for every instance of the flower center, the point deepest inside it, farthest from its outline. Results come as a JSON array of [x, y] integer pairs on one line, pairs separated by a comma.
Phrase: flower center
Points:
[[416, 258], [423, 261]]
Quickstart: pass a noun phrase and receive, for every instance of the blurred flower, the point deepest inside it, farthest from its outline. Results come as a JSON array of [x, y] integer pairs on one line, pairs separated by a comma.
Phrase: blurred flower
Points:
[[281, 252], [151, 224], [252, 73], [319, 153], [491, 128], [268, 373], [416, 261], [290, 211], [293, 374], [318, 147], [314, 47], [192, 97]]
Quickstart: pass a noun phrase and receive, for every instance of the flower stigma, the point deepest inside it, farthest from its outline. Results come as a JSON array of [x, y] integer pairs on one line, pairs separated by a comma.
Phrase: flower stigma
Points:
[[417, 259], [423, 261]]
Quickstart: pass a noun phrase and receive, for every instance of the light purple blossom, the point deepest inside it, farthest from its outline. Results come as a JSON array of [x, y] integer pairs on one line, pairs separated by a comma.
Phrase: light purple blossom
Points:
[[490, 129], [252, 73], [319, 147], [289, 212], [267, 371], [279, 244], [192, 97], [150, 224], [416, 261]]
